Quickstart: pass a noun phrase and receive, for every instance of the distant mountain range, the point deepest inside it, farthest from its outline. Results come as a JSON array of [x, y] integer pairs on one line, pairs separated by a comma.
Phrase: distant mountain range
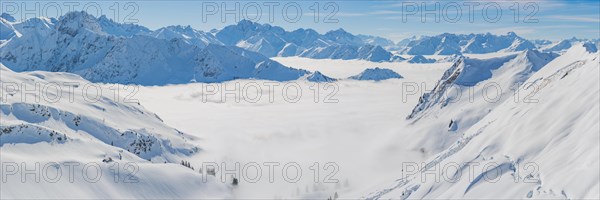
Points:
[[102, 50]]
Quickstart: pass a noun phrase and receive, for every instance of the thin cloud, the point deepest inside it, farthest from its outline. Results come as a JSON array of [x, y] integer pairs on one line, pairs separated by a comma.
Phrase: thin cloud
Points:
[[348, 14], [595, 19]]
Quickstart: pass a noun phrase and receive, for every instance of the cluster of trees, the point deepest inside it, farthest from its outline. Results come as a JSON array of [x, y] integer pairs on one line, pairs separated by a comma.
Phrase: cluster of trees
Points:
[[187, 164]]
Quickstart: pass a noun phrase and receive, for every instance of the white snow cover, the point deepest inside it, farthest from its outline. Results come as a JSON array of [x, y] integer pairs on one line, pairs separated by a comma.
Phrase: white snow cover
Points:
[[60, 126], [556, 137]]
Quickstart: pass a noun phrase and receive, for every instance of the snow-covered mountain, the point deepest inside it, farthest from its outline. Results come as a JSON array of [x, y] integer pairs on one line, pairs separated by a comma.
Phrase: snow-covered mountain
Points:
[[448, 44], [349, 52], [275, 41], [520, 149], [101, 50], [187, 34], [420, 59], [377, 41], [467, 92], [476, 76], [563, 45], [66, 126], [376, 74], [317, 76], [7, 30]]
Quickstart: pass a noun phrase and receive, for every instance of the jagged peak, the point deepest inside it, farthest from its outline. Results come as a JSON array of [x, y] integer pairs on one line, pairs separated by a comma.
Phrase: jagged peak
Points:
[[76, 15], [73, 21], [180, 28], [317, 76], [248, 23], [589, 47], [339, 31], [8, 17]]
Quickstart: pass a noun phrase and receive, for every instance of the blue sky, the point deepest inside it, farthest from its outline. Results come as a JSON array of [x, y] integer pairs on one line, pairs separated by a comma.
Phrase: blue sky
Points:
[[536, 19]]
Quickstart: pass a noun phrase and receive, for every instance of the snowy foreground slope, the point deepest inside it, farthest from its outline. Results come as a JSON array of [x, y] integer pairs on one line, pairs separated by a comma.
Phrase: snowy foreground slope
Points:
[[130, 151], [542, 149]]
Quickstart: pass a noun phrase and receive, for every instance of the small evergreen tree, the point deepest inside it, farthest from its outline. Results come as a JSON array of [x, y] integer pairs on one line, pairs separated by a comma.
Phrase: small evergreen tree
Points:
[[234, 182]]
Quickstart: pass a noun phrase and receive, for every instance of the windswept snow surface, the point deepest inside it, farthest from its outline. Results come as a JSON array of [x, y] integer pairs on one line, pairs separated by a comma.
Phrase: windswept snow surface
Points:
[[60, 131], [546, 148]]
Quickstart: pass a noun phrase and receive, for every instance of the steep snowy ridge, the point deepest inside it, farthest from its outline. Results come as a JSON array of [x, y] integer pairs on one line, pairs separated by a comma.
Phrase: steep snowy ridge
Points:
[[64, 125], [82, 44], [556, 136], [467, 72], [467, 92]]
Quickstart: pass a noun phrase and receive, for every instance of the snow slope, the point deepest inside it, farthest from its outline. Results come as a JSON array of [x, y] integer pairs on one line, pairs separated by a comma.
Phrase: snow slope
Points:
[[62, 126], [541, 149], [467, 92]]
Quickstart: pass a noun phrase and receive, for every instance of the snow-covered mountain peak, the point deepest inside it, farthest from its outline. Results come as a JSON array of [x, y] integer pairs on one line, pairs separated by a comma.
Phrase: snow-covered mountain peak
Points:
[[546, 134], [505, 72], [589, 47], [121, 29], [8, 17], [317, 76], [73, 22], [376, 74], [343, 37]]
